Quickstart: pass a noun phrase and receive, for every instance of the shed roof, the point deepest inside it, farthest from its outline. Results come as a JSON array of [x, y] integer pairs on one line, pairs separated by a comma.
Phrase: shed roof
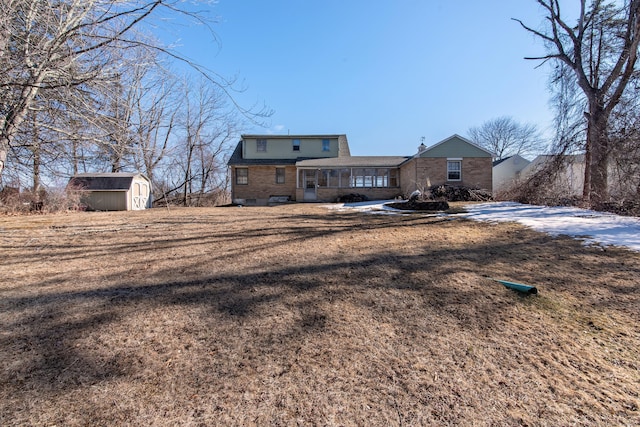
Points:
[[116, 181]]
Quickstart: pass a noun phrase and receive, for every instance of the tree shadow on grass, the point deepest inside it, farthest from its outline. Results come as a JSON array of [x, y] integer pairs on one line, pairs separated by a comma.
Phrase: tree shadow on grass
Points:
[[44, 346]]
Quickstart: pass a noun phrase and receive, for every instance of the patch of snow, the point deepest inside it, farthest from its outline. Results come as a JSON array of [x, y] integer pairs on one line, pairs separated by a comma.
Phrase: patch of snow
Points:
[[592, 227], [373, 205]]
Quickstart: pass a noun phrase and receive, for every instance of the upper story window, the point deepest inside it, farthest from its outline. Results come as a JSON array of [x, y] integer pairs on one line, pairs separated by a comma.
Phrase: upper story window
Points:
[[326, 145], [454, 170], [296, 145], [261, 145]]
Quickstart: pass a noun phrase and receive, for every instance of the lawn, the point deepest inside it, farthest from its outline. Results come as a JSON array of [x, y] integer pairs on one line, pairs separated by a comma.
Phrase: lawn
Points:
[[297, 315]]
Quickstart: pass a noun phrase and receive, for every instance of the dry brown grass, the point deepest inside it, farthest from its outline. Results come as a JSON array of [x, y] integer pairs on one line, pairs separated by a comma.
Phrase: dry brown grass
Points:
[[298, 315]]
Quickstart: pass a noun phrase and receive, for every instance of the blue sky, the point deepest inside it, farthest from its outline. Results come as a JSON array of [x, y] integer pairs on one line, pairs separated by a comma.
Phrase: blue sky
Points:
[[385, 73]]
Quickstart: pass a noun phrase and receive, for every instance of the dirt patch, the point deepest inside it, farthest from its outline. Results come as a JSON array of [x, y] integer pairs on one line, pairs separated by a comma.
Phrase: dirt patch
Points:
[[299, 315]]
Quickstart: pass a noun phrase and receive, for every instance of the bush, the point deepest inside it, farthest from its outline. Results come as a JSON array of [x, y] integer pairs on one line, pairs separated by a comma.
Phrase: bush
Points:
[[450, 193], [14, 201], [352, 198]]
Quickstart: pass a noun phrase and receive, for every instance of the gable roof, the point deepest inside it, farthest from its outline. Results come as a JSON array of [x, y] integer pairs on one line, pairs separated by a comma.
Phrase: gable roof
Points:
[[116, 181], [437, 148]]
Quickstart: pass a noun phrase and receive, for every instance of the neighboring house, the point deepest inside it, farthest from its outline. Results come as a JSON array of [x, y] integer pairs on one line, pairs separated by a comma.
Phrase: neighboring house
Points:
[[506, 172], [268, 168], [569, 181], [623, 179], [112, 191]]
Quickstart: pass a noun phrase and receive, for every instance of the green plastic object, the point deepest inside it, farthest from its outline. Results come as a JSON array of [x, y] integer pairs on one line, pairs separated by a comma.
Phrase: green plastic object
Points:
[[519, 287]]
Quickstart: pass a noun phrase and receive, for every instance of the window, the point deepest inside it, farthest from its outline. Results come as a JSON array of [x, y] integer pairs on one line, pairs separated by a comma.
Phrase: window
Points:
[[326, 145], [279, 175], [356, 178], [333, 176], [242, 176], [344, 178], [261, 145], [454, 170], [296, 145], [363, 177], [382, 178], [393, 177], [323, 178]]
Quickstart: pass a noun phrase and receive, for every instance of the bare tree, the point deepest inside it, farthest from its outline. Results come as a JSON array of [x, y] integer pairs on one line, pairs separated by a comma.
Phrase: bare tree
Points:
[[76, 96], [624, 132], [208, 125], [601, 49], [506, 137], [568, 105], [47, 45], [193, 170], [156, 109], [115, 122], [128, 117], [36, 148]]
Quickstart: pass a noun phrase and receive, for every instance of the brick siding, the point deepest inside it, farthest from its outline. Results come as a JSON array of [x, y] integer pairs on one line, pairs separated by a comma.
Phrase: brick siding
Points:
[[476, 173], [262, 184]]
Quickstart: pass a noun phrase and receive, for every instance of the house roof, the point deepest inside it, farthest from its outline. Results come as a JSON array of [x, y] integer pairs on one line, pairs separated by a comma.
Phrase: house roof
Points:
[[515, 160], [353, 161], [497, 162], [300, 136], [104, 181], [446, 140]]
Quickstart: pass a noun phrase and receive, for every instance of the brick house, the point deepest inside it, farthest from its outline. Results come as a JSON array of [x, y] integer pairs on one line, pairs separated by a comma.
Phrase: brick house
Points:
[[268, 168]]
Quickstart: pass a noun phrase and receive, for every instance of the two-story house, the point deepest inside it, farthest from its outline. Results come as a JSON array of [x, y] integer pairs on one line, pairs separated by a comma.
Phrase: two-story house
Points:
[[276, 168]]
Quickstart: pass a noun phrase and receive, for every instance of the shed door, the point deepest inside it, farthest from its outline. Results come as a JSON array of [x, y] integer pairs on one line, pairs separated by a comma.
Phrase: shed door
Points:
[[140, 195]]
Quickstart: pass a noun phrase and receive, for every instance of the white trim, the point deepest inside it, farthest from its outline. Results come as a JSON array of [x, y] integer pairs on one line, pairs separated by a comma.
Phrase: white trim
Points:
[[454, 159], [450, 170]]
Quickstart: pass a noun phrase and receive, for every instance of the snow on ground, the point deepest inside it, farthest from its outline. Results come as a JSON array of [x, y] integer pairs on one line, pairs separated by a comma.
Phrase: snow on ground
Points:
[[592, 227], [374, 206]]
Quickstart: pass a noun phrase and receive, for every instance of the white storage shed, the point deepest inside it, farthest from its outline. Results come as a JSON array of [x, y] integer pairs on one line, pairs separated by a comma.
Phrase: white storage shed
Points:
[[116, 191]]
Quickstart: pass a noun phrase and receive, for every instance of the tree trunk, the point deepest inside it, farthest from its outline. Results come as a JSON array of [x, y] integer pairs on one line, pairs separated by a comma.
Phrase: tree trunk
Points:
[[586, 186], [187, 177], [74, 158], [3, 158], [596, 184], [37, 157], [36, 172]]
